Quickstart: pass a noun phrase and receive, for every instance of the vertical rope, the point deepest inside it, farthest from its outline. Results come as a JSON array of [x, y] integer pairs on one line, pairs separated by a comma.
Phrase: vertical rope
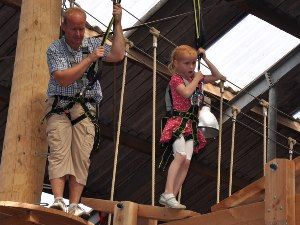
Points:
[[264, 105], [291, 143], [235, 111], [119, 128], [114, 103], [71, 3], [220, 141], [155, 34], [196, 17]]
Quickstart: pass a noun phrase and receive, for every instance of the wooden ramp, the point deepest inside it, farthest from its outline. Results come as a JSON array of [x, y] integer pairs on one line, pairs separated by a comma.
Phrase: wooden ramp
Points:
[[271, 200], [130, 213], [255, 192], [15, 213]]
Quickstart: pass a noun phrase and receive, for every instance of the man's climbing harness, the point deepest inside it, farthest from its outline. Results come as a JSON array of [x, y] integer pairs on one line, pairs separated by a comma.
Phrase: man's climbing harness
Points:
[[56, 109], [87, 81]]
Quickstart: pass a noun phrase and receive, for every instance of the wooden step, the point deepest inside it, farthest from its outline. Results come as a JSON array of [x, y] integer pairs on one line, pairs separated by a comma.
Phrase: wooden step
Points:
[[16, 213], [144, 211]]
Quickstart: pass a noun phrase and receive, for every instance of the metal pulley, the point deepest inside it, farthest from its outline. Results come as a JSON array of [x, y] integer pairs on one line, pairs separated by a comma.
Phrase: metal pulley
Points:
[[208, 123]]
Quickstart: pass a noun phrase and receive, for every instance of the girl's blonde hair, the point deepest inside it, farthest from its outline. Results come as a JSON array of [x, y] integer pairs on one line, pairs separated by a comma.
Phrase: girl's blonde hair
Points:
[[179, 52]]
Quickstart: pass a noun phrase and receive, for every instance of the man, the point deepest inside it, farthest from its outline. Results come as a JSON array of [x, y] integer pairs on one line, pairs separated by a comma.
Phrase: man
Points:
[[71, 103]]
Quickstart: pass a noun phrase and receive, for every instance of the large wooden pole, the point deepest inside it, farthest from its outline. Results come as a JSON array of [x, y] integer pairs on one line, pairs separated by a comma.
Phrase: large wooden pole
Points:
[[24, 148]]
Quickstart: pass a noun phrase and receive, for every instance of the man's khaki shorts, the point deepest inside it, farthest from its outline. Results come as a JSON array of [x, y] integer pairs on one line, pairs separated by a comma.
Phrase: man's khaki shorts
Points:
[[70, 146]]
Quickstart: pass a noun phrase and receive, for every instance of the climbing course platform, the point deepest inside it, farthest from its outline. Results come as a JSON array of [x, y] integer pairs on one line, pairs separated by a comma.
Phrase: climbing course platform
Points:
[[15, 213]]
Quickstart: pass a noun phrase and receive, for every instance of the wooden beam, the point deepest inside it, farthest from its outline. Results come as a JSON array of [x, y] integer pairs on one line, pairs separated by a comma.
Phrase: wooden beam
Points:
[[294, 125], [100, 204], [125, 213], [215, 90], [22, 213], [280, 192], [14, 3], [252, 193], [144, 211], [249, 214], [163, 213]]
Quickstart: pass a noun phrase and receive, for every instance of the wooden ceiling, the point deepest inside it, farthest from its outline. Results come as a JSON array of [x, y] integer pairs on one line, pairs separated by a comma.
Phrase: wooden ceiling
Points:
[[133, 181]]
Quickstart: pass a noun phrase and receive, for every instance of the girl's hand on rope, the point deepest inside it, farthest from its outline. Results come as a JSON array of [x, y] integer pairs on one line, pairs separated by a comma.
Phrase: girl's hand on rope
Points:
[[97, 53], [198, 76], [201, 51], [117, 13]]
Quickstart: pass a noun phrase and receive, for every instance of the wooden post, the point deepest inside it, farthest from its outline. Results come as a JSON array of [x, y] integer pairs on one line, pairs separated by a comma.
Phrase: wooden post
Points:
[[280, 192], [125, 213], [25, 147], [297, 215]]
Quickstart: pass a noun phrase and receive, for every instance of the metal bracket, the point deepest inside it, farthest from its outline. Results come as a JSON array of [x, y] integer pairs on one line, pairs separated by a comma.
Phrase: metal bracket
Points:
[[268, 78]]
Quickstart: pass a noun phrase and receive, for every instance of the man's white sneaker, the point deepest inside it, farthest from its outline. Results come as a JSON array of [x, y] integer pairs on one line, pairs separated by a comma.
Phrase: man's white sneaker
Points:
[[170, 201], [59, 204], [76, 210]]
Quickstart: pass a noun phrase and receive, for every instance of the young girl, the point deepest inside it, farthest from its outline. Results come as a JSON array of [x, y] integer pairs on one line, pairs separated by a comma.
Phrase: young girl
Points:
[[186, 94]]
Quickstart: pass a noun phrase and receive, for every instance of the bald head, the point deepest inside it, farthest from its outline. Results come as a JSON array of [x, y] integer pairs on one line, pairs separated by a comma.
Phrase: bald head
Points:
[[73, 12], [73, 25]]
